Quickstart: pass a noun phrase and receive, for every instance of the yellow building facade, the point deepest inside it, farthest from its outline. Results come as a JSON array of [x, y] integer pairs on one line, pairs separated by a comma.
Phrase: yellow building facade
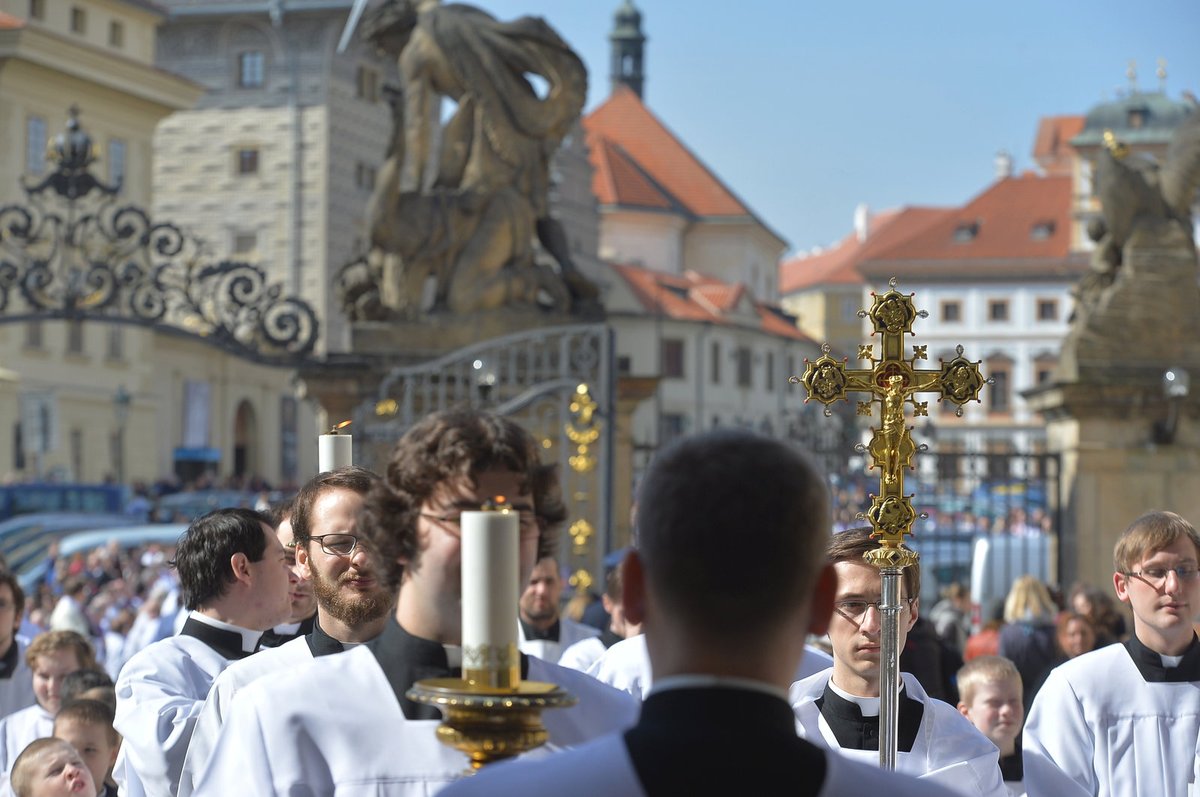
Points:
[[112, 400]]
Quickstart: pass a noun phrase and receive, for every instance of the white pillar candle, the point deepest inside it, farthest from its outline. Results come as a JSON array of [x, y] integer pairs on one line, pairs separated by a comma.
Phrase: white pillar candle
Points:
[[334, 451], [490, 593]]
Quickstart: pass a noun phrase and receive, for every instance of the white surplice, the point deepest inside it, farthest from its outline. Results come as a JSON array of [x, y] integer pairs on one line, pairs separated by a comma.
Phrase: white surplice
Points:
[[1098, 727], [626, 666], [335, 727], [569, 632], [604, 768], [583, 654], [232, 680], [159, 694], [16, 731], [16, 690], [948, 749]]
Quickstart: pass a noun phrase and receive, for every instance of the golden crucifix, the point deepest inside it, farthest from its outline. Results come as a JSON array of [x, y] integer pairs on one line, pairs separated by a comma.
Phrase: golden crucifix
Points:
[[892, 380]]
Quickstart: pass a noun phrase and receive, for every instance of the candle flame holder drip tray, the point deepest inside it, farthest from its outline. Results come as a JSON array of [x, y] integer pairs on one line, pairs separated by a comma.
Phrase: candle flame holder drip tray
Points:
[[489, 723]]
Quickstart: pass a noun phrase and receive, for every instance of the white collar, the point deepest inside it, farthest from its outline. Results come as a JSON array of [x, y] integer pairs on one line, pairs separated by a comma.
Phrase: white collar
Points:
[[1170, 661], [869, 706], [287, 628], [702, 681], [249, 638]]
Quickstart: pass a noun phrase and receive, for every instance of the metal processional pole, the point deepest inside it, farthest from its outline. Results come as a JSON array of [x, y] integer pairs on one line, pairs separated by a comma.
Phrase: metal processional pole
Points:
[[892, 381]]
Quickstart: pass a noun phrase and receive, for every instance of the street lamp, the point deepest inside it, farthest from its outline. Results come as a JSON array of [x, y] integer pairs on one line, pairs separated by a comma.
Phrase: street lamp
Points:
[[121, 401], [1176, 385]]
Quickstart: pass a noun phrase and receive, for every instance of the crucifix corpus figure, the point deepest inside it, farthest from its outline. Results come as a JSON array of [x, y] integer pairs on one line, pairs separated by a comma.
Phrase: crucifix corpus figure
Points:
[[892, 380]]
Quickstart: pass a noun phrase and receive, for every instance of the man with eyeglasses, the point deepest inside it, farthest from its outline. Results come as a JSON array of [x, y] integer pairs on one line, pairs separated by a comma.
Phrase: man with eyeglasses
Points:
[[728, 576], [544, 632], [342, 724], [234, 579], [1125, 719], [839, 707], [352, 601]]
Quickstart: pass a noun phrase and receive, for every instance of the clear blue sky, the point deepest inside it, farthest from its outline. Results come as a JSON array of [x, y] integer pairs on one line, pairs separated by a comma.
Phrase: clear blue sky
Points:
[[807, 108]]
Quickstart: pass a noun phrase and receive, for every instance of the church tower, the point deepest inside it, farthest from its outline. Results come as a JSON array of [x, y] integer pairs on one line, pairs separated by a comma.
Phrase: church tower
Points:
[[628, 46]]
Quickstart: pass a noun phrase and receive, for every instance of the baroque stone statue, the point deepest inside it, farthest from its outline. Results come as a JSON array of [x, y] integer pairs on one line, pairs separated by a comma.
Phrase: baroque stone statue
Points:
[[1141, 292], [460, 203]]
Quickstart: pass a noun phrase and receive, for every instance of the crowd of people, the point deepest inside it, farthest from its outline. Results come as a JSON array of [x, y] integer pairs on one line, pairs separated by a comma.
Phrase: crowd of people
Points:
[[736, 647]]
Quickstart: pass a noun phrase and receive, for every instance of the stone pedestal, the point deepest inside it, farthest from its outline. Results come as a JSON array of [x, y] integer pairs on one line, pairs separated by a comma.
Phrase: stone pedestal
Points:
[[1107, 413], [1113, 470]]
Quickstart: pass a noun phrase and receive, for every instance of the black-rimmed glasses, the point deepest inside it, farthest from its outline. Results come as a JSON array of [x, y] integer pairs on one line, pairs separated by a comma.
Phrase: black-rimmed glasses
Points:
[[337, 544]]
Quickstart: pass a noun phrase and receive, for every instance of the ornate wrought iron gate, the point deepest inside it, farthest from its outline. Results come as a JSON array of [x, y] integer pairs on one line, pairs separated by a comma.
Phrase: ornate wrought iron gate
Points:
[[557, 382]]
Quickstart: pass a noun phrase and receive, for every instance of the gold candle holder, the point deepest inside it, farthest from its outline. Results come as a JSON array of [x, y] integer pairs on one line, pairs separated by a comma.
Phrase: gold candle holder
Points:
[[490, 713], [489, 724]]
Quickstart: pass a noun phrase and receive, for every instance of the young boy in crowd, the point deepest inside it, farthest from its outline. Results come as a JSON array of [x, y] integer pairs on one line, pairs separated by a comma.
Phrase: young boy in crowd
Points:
[[88, 726], [50, 656], [990, 690], [51, 768]]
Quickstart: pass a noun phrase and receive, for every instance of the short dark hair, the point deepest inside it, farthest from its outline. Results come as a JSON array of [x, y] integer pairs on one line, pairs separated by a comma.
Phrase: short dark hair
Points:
[[443, 446], [10, 578], [353, 478], [732, 528], [89, 712], [203, 552], [78, 682], [851, 544]]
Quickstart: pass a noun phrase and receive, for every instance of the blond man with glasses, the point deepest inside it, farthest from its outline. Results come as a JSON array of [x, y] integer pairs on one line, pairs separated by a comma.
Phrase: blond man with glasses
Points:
[[839, 707], [1125, 719]]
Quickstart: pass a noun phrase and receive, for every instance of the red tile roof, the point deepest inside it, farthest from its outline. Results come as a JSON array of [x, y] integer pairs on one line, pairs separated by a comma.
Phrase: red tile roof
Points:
[[623, 120], [697, 297], [9, 22], [999, 224], [1051, 147], [618, 180], [838, 265]]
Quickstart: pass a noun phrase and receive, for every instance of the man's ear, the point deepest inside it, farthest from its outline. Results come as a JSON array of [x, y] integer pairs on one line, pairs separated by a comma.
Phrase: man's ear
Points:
[[633, 588], [302, 560], [1121, 585], [822, 600], [239, 564]]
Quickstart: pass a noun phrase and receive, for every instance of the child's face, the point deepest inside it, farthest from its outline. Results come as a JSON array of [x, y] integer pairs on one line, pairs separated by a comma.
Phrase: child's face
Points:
[[48, 672], [93, 743], [996, 710], [60, 772]]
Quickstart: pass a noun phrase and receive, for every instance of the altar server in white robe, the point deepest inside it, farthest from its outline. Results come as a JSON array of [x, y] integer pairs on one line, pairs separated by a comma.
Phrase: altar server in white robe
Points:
[[1125, 719], [626, 666], [352, 601], [16, 679], [235, 580], [728, 576], [839, 707], [342, 724], [51, 656], [544, 632], [584, 653], [304, 603]]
